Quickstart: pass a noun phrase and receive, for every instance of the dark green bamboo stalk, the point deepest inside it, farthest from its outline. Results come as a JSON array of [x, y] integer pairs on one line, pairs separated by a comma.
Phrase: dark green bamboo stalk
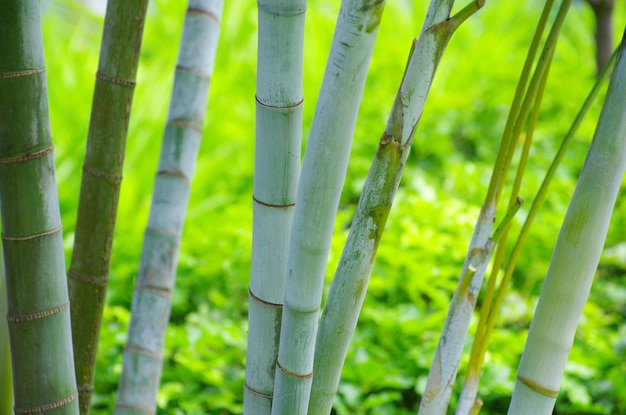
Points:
[[102, 175], [38, 304], [141, 373], [6, 383]]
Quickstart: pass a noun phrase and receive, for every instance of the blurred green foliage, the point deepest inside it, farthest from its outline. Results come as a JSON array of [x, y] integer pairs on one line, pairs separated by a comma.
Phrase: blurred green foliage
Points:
[[428, 231]]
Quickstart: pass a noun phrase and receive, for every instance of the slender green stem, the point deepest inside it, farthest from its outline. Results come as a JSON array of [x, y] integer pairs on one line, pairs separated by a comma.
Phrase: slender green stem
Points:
[[100, 186]]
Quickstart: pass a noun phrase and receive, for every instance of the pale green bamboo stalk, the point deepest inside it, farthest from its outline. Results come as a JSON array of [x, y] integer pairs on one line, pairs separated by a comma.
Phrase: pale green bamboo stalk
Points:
[[349, 286], [6, 381], [38, 305], [575, 258], [100, 186], [142, 365], [319, 189], [279, 101], [449, 350]]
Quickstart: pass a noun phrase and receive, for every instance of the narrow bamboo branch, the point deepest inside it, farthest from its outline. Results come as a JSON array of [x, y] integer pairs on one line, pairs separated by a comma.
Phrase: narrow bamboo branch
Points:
[[317, 200], [575, 257], [450, 348], [38, 313], [279, 102], [100, 186], [142, 366], [349, 286]]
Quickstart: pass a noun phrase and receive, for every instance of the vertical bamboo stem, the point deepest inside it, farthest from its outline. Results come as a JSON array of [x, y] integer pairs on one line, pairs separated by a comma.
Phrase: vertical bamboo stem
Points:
[[142, 366], [100, 186], [279, 102], [38, 305]]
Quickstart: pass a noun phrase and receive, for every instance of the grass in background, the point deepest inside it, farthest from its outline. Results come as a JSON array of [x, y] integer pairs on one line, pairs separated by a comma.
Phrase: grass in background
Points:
[[428, 230]]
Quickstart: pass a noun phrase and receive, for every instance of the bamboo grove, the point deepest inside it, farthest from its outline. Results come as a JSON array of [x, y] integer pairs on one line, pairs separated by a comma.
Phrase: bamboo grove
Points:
[[297, 346]]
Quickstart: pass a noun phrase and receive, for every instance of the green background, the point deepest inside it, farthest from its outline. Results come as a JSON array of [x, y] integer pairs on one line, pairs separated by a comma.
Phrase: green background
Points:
[[428, 231]]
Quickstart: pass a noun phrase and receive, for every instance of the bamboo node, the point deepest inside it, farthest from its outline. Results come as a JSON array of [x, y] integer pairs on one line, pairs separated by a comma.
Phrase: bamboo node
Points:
[[534, 386], [191, 71], [163, 232], [210, 15], [48, 406], [185, 124], [269, 205], [163, 292], [145, 352], [256, 392], [115, 80], [111, 178], [38, 315], [100, 281], [27, 157], [261, 301], [293, 375], [19, 74], [174, 173], [29, 237]]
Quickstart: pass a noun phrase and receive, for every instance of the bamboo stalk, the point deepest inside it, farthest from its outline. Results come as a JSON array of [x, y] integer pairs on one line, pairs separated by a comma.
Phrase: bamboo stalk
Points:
[[142, 365], [6, 381], [100, 185], [443, 371], [349, 286], [317, 200], [575, 258], [279, 102], [38, 306]]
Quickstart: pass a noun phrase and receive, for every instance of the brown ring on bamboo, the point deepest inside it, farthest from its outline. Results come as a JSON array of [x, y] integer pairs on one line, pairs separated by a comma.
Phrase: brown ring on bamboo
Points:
[[256, 392], [288, 107], [293, 375], [100, 281], [145, 352], [163, 292], [163, 232], [24, 318], [115, 80], [534, 386], [27, 157], [174, 173], [111, 178], [19, 74], [185, 124], [210, 15], [29, 237], [48, 406], [260, 301], [191, 71], [289, 206]]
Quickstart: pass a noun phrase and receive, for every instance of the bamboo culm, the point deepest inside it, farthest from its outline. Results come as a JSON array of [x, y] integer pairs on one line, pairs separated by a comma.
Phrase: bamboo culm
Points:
[[142, 364], [321, 181], [38, 312], [101, 180], [279, 102]]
